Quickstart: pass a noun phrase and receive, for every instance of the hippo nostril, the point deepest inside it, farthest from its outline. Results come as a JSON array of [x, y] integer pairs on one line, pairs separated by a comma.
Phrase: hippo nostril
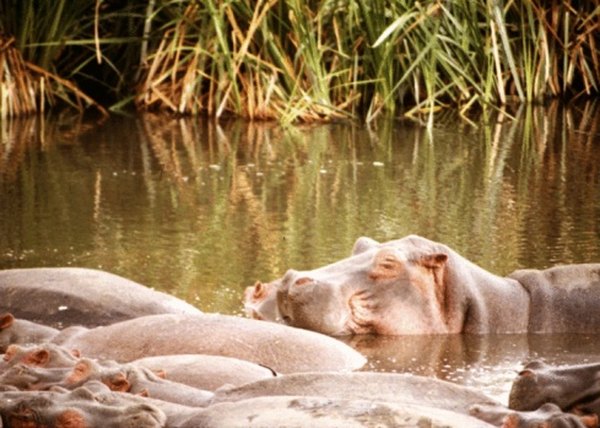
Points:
[[304, 281]]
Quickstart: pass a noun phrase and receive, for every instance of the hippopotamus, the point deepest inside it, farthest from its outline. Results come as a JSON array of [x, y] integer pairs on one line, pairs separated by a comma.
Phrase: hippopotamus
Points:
[[76, 409], [278, 347], [19, 331], [46, 355], [207, 372], [417, 286], [386, 387], [548, 415], [136, 380], [33, 378], [326, 412], [78, 296], [573, 388]]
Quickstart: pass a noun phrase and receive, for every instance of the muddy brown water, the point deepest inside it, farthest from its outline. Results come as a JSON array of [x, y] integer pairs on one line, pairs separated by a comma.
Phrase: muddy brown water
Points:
[[201, 210]]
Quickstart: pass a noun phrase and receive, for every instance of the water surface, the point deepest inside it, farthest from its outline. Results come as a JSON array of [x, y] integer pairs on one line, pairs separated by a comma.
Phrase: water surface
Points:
[[202, 210]]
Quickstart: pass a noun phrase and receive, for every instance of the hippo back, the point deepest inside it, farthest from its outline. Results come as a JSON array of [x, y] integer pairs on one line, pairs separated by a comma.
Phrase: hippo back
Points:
[[75, 296], [563, 298], [281, 348]]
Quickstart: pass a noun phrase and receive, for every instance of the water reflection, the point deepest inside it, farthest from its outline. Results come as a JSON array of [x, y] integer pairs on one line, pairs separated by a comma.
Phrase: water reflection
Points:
[[489, 362], [201, 209]]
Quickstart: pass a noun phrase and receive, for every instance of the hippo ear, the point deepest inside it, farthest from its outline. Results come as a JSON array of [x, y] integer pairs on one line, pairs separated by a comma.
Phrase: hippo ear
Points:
[[80, 372], [10, 352], [70, 418], [258, 291], [37, 358], [161, 373], [433, 261], [386, 265], [118, 383], [363, 244], [6, 320], [526, 373]]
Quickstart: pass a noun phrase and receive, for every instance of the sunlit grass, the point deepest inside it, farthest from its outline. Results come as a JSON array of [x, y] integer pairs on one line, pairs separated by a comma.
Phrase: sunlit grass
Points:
[[295, 60]]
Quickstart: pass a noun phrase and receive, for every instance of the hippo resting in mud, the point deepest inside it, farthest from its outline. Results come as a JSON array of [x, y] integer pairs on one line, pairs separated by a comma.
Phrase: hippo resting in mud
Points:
[[75, 296], [416, 286]]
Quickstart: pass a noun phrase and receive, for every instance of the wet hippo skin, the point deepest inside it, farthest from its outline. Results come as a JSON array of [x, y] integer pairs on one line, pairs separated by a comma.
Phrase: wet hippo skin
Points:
[[280, 348], [416, 286], [75, 409], [547, 416], [572, 388], [78, 296]]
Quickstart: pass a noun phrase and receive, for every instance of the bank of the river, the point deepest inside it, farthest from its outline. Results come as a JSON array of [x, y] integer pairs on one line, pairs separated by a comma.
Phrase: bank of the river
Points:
[[295, 60]]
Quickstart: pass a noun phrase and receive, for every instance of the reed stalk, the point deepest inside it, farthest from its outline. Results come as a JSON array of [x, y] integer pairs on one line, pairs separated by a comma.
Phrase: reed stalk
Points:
[[299, 60]]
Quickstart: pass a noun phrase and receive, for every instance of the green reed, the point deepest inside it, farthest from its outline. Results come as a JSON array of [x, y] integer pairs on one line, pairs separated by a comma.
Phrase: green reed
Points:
[[299, 60]]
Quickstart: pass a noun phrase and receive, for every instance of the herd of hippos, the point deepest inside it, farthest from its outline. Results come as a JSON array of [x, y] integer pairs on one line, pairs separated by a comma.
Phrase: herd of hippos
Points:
[[84, 348]]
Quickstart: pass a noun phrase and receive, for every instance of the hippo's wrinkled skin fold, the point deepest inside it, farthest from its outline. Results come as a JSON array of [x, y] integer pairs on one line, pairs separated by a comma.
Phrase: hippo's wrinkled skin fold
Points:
[[416, 286]]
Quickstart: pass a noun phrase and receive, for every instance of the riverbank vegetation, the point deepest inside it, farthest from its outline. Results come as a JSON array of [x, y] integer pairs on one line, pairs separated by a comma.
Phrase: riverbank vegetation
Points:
[[296, 60]]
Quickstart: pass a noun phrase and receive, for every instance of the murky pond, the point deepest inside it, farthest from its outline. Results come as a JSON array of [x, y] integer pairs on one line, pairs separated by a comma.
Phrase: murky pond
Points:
[[201, 210]]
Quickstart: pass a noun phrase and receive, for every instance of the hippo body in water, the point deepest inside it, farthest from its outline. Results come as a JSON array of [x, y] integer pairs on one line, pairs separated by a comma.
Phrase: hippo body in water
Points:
[[574, 388], [416, 286], [63, 297], [278, 347]]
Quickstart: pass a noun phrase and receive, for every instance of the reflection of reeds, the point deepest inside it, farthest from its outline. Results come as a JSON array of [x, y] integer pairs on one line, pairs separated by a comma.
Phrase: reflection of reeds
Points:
[[18, 135], [25, 88]]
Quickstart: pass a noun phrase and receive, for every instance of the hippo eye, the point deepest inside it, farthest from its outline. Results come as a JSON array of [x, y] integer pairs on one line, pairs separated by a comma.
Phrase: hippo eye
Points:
[[304, 281]]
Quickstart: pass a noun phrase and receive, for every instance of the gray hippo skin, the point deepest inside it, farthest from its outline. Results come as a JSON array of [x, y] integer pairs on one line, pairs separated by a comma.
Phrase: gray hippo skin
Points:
[[46, 355], [135, 380], [416, 286], [281, 348], [207, 372], [18, 331], [75, 409], [63, 297], [326, 412], [385, 387], [573, 388], [547, 416]]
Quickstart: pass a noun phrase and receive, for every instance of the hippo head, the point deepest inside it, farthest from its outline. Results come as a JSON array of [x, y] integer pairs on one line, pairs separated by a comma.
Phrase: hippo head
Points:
[[260, 301], [391, 288]]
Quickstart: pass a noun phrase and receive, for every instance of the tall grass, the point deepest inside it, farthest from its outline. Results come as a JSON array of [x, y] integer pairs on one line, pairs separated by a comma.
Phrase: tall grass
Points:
[[299, 60]]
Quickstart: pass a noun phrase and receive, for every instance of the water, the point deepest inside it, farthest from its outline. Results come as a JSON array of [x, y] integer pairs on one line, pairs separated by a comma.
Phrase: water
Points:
[[202, 210]]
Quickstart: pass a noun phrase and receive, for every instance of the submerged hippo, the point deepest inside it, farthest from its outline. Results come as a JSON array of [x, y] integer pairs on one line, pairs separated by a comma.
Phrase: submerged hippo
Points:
[[573, 388], [403, 388], [205, 371], [416, 286], [549, 415], [76, 296], [278, 347], [327, 412], [75, 409]]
